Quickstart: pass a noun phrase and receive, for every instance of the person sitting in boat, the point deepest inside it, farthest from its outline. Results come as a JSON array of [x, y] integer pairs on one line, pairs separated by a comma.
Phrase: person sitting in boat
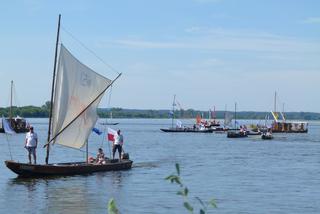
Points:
[[269, 132], [100, 157]]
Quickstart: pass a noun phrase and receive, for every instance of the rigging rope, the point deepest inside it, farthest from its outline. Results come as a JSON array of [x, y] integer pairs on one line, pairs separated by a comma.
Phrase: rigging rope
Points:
[[105, 126], [7, 137], [89, 50]]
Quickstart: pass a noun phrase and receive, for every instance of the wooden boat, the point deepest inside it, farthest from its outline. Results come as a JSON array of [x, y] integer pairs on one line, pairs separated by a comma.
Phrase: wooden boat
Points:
[[75, 96], [232, 134], [17, 124], [187, 130], [112, 124], [284, 126], [265, 136], [109, 123], [65, 169]]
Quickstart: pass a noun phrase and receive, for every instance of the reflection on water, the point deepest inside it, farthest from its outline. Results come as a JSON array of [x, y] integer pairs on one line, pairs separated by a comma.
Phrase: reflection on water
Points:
[[244, 175]]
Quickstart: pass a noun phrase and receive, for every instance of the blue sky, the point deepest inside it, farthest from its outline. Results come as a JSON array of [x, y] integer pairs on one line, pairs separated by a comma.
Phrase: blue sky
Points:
[[207, 52]]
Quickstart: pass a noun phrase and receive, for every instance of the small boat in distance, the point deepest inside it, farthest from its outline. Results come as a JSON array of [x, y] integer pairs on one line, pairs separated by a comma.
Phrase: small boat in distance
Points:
[[235, 133], [108, 122], [76, 93], [266, 136], [17, 124], [179, 128], [284, 126]]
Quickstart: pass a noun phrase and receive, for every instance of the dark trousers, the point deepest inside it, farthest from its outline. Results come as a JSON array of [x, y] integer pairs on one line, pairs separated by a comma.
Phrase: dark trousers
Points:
[[115, 148]]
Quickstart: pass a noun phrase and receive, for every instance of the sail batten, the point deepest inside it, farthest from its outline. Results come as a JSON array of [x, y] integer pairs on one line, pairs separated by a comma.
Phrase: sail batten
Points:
[[78, 92]]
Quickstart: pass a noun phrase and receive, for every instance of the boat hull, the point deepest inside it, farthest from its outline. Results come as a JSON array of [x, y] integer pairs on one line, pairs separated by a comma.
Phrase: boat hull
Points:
[[188, 130], [265, 137], [65, 169], [236, 135]]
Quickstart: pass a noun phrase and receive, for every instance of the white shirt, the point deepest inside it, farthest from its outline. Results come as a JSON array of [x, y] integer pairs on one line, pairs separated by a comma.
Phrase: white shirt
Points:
[[31, 139], [118, 140]]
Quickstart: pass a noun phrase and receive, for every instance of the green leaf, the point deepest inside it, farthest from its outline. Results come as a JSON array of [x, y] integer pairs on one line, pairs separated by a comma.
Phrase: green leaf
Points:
[[201, 202], [185, 191], [179, 193], [202, 211], [112, 207], [188, 206], [169, 177], [177, 180], [178, 168], [213, 203]]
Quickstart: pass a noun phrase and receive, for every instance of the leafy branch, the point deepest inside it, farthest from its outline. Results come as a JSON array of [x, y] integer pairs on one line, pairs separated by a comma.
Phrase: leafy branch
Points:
[[184, 192], [112, 207]]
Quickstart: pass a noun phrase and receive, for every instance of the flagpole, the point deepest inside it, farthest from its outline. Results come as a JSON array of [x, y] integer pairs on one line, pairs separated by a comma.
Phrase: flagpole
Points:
[[109, 148], [87, 152]]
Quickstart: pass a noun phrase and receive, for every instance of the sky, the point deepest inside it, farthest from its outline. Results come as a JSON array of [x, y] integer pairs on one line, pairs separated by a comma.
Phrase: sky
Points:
[[206, 52]]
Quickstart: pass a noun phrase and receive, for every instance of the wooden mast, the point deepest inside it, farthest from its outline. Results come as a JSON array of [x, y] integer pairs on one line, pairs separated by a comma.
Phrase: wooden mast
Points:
[[52, 90], [10, 113], [275, 102], [173, 104], [235, 115]]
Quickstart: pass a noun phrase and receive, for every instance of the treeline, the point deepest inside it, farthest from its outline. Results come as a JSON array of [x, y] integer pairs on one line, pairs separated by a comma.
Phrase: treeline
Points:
[[43, 111]]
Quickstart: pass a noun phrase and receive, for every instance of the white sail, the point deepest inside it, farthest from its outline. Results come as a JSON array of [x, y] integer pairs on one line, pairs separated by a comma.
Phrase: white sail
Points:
[[7, 127], [77, 86]]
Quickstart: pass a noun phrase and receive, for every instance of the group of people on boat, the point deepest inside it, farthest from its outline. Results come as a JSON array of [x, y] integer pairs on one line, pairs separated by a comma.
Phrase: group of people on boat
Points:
[[31, 144], [243, 130]]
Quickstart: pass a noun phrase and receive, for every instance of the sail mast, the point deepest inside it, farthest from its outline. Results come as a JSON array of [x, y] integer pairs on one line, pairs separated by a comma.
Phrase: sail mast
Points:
[[173, 104], [52, 89], [275, 102], [10, 113], [235, 115]]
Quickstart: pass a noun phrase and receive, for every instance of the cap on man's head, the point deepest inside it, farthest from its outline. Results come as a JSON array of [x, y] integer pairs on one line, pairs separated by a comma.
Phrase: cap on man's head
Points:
[[31, 127]]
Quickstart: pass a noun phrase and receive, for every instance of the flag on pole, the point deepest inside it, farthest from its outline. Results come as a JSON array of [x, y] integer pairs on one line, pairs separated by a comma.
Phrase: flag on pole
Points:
[[111, 134], [97, 131]]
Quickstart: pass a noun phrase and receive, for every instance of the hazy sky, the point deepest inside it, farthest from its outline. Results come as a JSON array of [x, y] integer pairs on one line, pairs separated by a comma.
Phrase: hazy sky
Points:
[[207, 52]]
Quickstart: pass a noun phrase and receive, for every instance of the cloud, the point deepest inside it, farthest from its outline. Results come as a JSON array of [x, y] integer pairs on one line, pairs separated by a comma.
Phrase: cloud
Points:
[[151, 44], [312, 20], [228, 40]]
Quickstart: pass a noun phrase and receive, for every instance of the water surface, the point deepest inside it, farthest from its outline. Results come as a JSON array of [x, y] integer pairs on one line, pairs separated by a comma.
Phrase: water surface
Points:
[[244, 175]]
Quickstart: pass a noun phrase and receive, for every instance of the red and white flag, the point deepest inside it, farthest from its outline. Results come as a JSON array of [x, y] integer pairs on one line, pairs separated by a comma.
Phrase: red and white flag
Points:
[[111, 134]]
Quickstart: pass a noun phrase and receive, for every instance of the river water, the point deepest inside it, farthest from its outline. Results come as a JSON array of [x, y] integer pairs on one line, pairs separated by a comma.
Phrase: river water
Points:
[[243, 175]]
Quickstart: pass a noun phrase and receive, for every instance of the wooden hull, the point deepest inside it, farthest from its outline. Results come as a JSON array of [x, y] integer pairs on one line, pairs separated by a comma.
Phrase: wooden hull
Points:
[[236, 135], [17, 130], [113, 124], [188, 130], [65, 169], [265, 137]]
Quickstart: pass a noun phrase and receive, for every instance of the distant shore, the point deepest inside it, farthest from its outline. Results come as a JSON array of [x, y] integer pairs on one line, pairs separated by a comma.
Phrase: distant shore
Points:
[[43, 112]]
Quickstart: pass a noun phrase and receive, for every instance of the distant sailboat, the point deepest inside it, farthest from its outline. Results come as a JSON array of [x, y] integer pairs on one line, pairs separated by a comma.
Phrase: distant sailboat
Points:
[[179, 127], [76, 93], [109, 123], [235, 133]]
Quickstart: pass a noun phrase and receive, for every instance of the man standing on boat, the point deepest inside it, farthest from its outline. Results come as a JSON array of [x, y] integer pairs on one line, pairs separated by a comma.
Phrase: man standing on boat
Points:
[[117, 144], [31, 144]]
